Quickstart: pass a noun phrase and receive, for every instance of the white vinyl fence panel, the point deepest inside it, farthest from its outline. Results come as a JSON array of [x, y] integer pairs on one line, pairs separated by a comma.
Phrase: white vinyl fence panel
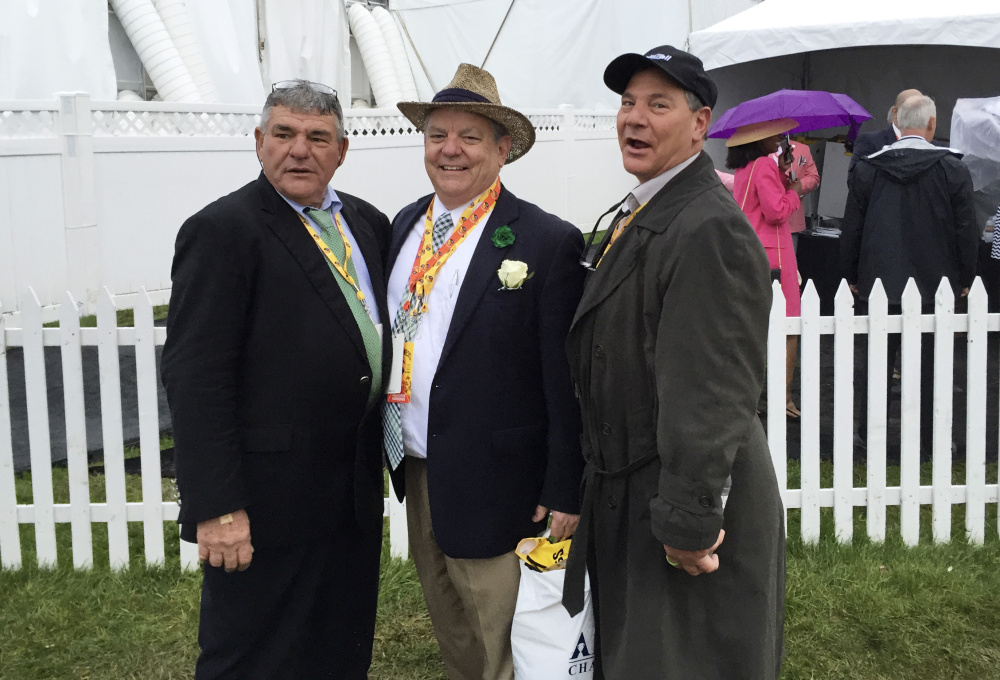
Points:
[[152, 511], [876, 496]]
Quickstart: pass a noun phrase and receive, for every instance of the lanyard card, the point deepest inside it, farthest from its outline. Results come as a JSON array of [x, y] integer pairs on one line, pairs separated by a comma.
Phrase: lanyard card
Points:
[[401, 375]]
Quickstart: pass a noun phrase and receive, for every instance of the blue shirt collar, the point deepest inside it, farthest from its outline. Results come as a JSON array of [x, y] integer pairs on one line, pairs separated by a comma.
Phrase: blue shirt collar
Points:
[[331, 202]]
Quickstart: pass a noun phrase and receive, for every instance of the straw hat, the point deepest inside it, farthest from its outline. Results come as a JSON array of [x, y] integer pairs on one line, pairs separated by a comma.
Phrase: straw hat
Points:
[[757, 131], [474, 90]]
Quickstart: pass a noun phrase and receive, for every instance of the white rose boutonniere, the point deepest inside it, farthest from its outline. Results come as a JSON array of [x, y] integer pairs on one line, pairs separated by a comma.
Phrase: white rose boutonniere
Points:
[[513, 274]]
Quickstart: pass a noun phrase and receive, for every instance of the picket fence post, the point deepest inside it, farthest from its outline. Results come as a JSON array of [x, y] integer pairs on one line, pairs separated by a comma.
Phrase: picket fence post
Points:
[[876, 433], [810, 405], [776, 421], [975, 422], [843, 414], [944, 369], [10, 536], [149, 429], [36, 396], [111, 426], [909, 445], [76, 434]]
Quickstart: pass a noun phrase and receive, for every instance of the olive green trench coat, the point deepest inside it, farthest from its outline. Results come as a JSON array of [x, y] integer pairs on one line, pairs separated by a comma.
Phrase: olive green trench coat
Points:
[[667, 351]]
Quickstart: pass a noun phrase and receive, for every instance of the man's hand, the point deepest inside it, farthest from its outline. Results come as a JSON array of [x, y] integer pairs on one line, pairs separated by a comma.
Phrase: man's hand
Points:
[[965, 292], [853, 287], [697, 561], [226, 543], [563, 525]]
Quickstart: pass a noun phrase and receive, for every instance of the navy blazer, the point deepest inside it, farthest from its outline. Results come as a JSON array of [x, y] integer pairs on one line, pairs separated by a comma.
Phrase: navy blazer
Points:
[[503, 430], [266, 372]]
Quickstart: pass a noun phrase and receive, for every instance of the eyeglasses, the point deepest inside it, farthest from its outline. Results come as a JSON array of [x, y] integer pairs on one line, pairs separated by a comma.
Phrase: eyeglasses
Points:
[[589, 258], [317, 87]]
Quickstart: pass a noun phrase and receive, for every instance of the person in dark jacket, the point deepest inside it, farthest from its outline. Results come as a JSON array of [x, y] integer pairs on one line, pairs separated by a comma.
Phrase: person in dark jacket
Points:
[[667, 351], [910, 214]]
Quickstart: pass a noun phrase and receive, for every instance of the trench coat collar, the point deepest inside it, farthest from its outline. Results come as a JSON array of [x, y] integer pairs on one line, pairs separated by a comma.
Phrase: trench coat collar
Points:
[[281, 219], [661, 210]]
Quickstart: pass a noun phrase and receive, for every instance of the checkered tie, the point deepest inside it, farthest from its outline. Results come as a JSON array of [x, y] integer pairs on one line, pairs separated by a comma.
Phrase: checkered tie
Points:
[[373, 344], [406, 323]]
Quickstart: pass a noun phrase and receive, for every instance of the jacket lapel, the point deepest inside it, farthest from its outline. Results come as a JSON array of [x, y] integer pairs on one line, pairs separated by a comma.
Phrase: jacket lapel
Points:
[[401, 229], [655, 217], [617, 264], [282, 220], [482, 272]]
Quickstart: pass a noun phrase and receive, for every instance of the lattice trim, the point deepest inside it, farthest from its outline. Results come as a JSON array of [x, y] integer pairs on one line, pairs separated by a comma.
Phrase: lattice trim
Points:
[[172, 124], [28, 124]]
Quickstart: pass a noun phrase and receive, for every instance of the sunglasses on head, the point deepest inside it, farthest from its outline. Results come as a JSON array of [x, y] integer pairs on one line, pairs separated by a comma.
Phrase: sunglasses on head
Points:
[[317, 87]]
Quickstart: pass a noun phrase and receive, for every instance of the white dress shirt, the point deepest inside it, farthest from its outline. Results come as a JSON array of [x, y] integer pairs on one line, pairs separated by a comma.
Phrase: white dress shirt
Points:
[[434, 324], [645, 191]]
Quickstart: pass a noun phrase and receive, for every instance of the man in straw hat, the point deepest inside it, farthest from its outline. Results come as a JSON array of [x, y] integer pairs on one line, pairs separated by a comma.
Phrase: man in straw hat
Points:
[[481, 425], [667, 351]]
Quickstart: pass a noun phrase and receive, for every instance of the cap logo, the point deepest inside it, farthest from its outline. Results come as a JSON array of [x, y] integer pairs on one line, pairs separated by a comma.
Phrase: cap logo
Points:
[[664, 57]]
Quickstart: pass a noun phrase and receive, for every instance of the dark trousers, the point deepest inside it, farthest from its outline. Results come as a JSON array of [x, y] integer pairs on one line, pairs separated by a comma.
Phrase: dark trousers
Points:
[[298, 612], [926, 378]]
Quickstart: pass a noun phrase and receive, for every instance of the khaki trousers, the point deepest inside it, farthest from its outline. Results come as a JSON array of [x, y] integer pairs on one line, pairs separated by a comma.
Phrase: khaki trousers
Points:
[[471, 602]]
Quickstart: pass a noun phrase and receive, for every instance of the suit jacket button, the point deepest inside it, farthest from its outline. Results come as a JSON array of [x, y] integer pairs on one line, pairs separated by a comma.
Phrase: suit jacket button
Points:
[[365, 380], [606, 429], [705, 502], [599, 351], [612, 502]]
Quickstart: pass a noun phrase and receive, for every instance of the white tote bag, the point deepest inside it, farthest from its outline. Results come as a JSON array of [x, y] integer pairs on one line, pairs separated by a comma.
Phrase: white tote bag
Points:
[[547, 643]]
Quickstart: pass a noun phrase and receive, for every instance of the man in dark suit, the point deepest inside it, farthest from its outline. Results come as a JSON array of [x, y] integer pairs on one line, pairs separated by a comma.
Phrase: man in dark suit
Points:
[[273, 370], [482, 290], [869, 142]]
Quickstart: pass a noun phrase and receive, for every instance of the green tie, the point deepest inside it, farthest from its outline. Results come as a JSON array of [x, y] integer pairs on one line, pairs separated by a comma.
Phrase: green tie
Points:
[[373, 344]]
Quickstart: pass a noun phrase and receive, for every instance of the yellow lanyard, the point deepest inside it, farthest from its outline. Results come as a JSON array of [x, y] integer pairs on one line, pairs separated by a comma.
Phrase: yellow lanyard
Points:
[[428, 262], [619, 228], [338, 267]]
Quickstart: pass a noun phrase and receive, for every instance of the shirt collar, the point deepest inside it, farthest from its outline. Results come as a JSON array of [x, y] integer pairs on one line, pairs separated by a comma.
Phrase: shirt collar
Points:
[[645, 191], [331, 202], [896, 130]]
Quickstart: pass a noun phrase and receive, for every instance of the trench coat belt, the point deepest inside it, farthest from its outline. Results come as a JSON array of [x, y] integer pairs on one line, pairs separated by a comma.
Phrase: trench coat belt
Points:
[[577, 566]]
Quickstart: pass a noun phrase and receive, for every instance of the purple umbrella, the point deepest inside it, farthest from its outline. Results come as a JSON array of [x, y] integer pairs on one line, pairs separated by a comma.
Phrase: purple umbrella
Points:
[[812, 109]]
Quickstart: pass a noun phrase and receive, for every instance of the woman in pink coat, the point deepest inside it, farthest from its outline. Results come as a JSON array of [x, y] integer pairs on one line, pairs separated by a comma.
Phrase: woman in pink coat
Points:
[[769, 197]]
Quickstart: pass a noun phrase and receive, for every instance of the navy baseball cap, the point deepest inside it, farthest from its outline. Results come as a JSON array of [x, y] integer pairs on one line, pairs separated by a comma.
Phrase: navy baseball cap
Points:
[[683, 68]]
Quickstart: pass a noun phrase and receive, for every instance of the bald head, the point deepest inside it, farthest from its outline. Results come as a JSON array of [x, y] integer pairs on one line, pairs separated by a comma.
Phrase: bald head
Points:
[[900, 98]]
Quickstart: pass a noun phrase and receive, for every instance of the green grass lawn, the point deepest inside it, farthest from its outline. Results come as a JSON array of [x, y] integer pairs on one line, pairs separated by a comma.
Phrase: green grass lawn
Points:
[[856, 611]]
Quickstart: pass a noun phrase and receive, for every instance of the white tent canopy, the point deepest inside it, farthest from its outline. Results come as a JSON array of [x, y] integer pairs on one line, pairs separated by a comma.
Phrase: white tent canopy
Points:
[[781, 27], [544, 53]]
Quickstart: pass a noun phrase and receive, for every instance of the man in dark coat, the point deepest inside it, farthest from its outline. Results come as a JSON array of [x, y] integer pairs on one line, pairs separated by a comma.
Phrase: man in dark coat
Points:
[[484, 431], [667, 350], [868, 143], [273, 371], [910, 214]]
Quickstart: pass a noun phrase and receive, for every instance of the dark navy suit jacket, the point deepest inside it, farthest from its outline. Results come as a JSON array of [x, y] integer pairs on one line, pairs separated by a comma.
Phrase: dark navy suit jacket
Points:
[[503, 430]]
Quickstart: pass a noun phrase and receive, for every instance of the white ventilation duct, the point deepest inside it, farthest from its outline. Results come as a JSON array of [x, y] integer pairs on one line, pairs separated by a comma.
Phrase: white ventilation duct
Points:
[[129, 96], [156, 50], [397, 53], [375, 56], [175, 17]]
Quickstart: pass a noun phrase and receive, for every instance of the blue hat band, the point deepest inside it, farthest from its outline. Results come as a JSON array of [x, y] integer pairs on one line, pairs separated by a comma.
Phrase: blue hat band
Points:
[[457, 94]]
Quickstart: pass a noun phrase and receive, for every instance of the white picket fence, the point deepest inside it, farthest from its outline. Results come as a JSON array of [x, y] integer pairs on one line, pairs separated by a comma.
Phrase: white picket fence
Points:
[[152, 511], [876, 496]]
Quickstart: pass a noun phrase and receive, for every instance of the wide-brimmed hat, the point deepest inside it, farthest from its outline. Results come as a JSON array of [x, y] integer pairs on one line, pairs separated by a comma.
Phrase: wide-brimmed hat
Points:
[[758, 131], [474, 90], [682, 67]]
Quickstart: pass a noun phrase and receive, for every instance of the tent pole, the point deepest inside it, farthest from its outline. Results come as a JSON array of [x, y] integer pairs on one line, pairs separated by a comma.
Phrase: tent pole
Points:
[[415, 50], [483, 65]]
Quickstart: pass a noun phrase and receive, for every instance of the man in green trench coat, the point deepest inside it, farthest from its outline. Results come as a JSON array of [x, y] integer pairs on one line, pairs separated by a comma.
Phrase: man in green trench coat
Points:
[[667, 351]]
